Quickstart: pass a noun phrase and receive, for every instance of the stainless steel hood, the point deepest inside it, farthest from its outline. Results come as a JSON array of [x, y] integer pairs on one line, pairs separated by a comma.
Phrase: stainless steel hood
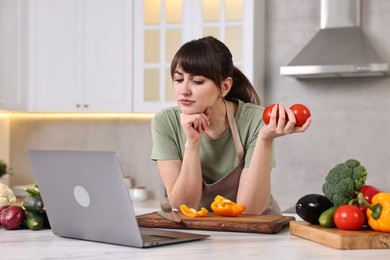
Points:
[[339, 49]]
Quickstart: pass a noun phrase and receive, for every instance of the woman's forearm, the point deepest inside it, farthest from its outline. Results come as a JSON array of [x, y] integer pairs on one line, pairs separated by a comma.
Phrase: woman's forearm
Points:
[[255, 183], [188, 186]]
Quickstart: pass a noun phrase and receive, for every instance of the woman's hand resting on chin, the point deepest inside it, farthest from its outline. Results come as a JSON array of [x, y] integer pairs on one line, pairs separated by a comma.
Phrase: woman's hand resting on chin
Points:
[[195, 124]]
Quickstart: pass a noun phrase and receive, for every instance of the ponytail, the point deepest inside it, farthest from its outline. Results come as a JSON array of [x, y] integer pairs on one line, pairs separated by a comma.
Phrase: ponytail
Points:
[[242, 88]]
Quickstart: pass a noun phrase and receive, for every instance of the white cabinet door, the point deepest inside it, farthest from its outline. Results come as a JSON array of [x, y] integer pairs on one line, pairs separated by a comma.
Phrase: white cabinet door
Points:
[[108, 55], [162, 26], [82, 53], [13, 95], [57, 71]]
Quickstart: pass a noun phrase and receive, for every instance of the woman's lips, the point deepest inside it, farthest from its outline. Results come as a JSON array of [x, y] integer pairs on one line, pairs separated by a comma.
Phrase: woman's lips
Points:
[[186, 102]]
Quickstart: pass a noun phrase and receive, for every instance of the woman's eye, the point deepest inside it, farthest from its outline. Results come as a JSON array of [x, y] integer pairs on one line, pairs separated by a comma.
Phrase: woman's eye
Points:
[[178, 80], [198, 82]]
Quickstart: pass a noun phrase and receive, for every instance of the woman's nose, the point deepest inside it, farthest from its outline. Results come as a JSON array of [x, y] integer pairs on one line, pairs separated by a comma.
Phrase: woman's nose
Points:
[[184, 88]]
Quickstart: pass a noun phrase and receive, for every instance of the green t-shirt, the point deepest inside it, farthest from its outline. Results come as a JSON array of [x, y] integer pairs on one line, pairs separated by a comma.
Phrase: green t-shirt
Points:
[[218, 157]]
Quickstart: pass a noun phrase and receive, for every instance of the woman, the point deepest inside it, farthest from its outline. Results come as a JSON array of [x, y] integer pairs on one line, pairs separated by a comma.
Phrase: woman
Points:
[[215, 141]]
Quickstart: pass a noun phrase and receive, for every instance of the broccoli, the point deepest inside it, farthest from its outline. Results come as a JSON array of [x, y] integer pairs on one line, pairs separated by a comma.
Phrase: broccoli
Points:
[[344, 181]]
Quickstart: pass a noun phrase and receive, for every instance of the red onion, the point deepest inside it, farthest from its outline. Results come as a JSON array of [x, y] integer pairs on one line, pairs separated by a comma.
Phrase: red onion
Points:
[[1, 209], [12, 217]]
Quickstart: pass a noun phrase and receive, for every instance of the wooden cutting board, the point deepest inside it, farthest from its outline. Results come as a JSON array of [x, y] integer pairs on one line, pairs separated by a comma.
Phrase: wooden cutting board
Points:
[[243, 223], [341, 239]]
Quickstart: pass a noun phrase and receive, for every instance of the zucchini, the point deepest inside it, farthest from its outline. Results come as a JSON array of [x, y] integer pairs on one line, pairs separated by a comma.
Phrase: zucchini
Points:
[[34, 221], [33, 203]]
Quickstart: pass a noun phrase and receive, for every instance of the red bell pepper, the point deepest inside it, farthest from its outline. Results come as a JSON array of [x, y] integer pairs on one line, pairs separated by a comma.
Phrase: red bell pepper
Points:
[[368, 192]]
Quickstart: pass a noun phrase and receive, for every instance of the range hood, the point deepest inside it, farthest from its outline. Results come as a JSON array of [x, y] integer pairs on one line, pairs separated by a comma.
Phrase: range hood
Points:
[[339, 49]]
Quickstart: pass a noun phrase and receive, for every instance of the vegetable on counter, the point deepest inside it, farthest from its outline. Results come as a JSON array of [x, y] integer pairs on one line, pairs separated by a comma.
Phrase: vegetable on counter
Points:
[[1, 210], [348, 217], [190, 212], [30, 214], [12, 217], [378, 212], [7, 196], [326, 219], [34, 221], [344, 181], [33, 203], [36, 217], [311, 206], [368, 192], [225, 207]]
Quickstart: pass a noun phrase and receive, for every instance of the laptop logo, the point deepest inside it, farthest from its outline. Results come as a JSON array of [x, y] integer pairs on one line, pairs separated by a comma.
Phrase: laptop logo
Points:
[[81, 195]]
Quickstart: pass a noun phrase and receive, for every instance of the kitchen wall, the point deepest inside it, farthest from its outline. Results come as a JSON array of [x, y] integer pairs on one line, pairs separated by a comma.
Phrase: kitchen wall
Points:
[[349, 115], [4, 137], [129, 137]]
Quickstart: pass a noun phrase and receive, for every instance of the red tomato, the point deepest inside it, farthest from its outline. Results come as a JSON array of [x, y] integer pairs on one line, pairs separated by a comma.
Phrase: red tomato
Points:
[[267, 114], [302, 113], [348, 217]]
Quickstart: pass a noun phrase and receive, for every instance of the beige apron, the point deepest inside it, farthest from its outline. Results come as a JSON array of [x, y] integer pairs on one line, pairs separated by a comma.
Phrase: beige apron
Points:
[[227, 186]]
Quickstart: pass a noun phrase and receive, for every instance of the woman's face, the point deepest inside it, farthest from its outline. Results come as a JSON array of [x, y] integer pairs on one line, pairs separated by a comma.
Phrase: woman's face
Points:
[[194, 93]]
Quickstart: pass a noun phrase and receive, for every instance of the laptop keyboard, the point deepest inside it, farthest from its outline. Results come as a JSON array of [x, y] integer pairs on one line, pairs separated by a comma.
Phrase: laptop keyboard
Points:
[[155, 238]]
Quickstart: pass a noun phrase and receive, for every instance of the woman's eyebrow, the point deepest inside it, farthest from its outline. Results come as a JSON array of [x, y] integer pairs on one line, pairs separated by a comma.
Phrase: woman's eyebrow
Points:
[[178, 72]]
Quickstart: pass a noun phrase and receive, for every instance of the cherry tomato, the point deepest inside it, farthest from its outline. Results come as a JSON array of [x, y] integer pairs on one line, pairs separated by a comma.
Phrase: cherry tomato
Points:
[[302, 113], [267, 114], [349, 217]]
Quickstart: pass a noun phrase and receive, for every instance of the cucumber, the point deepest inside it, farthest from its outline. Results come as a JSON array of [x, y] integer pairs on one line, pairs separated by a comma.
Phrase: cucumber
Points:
[[34, 221], [326, 218], [33, 203]]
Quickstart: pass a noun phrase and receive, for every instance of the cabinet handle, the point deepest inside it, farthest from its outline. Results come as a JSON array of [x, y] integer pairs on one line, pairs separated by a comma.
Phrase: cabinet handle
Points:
[[85, 105], [78, 105]]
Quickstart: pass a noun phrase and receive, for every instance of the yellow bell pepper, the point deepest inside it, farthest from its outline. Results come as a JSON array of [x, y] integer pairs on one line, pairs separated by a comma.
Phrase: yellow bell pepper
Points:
[[378, 213], [225, 207], [190, 212]]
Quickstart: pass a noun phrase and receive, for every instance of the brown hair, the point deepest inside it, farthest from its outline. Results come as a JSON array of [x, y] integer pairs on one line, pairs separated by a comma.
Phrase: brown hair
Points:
[[211, 58]]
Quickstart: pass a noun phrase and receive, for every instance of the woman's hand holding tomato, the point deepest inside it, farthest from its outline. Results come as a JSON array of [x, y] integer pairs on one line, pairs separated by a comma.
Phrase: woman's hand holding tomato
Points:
[[281, 121], [301, 114]]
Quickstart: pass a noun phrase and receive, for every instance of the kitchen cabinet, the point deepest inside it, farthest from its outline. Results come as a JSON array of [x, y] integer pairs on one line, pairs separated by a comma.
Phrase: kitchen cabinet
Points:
[[12, 92], [162, 26], [81, 50], [68, 55]]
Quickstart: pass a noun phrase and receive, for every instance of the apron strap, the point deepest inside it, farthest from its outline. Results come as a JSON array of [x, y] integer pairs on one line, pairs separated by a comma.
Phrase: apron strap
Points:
[[234, 129]]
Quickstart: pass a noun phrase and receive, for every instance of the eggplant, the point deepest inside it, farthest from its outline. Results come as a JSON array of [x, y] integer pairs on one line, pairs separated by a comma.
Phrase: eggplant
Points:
[[311, 206]]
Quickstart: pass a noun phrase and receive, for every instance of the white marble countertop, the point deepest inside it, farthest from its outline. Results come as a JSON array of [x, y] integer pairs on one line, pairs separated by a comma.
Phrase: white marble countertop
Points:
[[43, 244]]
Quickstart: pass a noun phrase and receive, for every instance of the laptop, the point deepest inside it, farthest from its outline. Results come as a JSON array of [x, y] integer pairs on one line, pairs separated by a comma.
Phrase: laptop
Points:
[[86, 198]]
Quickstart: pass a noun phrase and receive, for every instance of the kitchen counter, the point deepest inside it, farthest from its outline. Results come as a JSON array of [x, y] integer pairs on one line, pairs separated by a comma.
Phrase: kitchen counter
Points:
[[43, 244]]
